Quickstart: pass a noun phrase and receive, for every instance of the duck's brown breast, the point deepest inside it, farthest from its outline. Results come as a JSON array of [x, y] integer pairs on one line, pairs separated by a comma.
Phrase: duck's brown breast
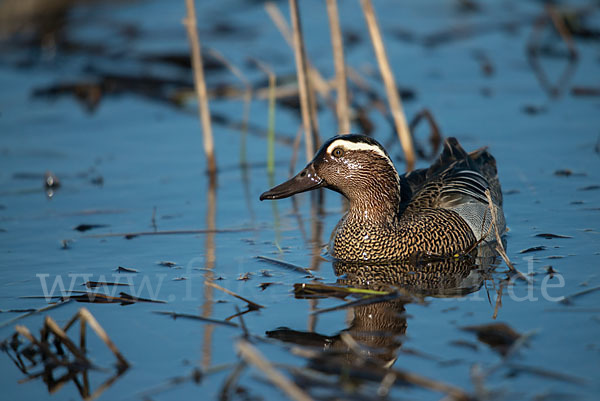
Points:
[[437, 232]]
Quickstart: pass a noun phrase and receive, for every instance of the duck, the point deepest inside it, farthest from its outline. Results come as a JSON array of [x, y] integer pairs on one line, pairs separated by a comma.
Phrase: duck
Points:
[[439, 211]]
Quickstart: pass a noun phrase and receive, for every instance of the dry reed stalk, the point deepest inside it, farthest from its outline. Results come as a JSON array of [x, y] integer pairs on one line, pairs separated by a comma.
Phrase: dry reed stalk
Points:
[[321, 85], [562, 29], [85, 317], [499, 246], [230, 384], [252, 355], [51, 325], [303, 82], [42, 345], [209, 260], [343, 114], [200, 86], [390, 85], [498, 300]]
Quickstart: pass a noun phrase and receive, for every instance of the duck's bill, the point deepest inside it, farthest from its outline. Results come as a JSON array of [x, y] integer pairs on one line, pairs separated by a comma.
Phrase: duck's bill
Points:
[[304, 181]]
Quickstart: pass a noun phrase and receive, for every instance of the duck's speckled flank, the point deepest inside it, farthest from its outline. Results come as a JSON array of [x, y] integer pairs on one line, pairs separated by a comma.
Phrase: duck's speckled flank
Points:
[[437, 232]]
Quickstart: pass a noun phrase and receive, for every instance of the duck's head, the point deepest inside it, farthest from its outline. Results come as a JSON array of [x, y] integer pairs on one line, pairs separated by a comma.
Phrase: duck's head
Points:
[[356, 166]]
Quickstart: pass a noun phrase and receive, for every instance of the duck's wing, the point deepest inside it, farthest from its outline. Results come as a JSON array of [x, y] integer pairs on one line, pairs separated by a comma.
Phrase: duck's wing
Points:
[[460, 186], [454, 178]]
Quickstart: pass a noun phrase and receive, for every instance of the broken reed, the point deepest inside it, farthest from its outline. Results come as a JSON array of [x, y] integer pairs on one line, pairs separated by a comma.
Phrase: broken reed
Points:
[[394, 100], [200, 85]]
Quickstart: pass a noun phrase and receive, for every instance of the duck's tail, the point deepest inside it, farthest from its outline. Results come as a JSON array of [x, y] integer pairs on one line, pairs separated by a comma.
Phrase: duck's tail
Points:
[[486, 165]]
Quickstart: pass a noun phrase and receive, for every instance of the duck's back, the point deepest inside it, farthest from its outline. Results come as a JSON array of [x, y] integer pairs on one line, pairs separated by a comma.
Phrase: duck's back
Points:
[[457, 181]]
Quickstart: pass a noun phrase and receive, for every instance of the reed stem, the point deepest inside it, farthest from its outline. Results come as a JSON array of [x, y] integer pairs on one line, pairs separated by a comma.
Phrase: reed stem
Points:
[[340, 68], [394, 100], [200, 86], [278, 19], [303, 82]]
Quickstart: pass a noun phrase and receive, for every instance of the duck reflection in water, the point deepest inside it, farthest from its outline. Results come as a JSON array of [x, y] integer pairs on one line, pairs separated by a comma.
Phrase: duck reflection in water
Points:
[[377, 327]]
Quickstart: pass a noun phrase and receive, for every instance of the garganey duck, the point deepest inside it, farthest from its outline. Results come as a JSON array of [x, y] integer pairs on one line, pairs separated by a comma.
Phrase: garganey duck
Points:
[[440, 211]]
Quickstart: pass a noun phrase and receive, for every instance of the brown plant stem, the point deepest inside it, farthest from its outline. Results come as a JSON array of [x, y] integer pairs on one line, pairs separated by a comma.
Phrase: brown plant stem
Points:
[[303, 82], [340, 68], [394, 100], [200, 85]]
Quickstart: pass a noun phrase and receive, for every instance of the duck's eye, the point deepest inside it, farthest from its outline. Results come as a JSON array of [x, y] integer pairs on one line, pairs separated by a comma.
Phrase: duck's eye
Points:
[[338, 152]]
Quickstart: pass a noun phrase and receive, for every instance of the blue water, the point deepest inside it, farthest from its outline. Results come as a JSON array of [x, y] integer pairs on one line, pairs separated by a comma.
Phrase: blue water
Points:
[[150, 158]]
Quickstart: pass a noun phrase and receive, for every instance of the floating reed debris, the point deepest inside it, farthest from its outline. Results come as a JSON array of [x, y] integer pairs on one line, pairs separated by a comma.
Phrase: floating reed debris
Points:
[[196, 375], [318, 290], [131, 235], [176, 315], [287, 265], [499, 336], [34, 312], [251, 305], [200, 85], [55, 350], [545, 373], [568, 300], [308, 117], [390, 85], [98, 298], [122, 269], [252, 355], [343, 114], [94, 284]]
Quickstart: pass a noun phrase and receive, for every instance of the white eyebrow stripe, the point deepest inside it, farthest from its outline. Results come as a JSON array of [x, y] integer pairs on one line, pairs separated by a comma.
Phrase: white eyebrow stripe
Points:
[[347, 145]]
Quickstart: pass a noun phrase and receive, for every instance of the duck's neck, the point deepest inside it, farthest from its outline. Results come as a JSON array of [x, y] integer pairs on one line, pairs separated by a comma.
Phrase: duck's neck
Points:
[[377, 204]]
